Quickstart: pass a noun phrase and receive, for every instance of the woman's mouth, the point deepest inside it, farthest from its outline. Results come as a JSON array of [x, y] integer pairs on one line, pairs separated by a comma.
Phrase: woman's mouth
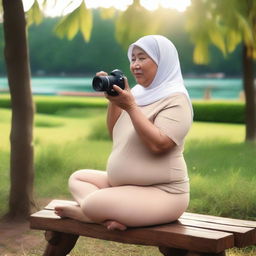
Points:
[[137, 74]]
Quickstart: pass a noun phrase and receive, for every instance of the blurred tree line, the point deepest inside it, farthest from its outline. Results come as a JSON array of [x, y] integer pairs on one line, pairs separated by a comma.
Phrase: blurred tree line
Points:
[[50, 55]]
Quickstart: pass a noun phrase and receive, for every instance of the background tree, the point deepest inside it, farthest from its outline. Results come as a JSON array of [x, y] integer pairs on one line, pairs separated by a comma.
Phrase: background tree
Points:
[[18, 71], [226, 23]]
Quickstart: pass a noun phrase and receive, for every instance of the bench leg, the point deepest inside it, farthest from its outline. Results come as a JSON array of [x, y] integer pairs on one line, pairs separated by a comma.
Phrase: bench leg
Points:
[[59, 244], [205, 254], [166, 251]]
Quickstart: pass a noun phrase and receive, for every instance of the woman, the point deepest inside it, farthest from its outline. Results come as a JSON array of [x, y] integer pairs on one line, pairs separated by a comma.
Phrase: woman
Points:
[[146, 182]]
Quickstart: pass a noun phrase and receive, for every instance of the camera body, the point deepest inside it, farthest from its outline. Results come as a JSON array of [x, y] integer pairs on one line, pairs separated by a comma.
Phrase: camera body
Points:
[[105, 83]]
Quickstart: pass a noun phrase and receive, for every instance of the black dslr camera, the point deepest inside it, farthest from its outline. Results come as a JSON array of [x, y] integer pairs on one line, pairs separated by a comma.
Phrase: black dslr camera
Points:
[[105, 83]]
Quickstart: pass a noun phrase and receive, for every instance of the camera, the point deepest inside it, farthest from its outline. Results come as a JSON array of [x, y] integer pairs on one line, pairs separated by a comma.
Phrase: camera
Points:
[[105, 83]]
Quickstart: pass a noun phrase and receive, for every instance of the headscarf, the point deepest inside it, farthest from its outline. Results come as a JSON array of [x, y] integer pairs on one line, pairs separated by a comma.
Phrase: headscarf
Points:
[[168, 79]]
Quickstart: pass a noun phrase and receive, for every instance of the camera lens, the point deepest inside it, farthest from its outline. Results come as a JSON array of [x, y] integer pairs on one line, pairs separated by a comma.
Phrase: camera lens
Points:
[[99, 83], [105, 83]]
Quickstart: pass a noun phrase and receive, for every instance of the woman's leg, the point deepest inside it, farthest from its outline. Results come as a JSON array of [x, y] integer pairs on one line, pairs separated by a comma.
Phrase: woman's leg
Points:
[[84, 182], [134, 206], [118, 207], [81, 184]]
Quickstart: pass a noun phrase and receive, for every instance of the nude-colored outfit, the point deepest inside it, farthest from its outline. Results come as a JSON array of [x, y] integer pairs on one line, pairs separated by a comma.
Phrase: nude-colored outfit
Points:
[[131, 162]]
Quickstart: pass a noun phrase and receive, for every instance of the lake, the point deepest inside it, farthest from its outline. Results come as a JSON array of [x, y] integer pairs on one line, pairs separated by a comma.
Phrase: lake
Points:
[[216, 88]]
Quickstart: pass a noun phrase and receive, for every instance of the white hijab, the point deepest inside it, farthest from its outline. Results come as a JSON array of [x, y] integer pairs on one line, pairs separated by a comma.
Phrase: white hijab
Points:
[[168, 79]]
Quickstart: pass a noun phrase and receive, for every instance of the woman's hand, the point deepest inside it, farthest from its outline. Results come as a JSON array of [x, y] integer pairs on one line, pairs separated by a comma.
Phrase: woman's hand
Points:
[[124, 99]]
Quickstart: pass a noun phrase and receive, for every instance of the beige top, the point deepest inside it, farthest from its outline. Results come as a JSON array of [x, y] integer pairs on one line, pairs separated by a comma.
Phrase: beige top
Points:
[[132, 163]]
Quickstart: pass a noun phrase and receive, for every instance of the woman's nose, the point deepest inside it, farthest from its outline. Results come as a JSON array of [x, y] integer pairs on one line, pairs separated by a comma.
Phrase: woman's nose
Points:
[[136, 64]]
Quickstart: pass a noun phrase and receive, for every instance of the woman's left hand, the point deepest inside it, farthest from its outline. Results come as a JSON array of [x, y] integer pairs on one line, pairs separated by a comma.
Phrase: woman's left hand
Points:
[[124, 99]]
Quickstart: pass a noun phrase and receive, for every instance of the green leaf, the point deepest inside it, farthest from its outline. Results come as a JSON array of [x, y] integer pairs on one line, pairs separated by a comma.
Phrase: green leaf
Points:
[[225, 22], [217, 38], [233, 39], [68, 26], [86, 22], [201, 52], [79, 19], [34, 14]]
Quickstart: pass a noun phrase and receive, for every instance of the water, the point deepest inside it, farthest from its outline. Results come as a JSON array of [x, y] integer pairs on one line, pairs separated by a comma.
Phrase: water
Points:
[[224, 88]]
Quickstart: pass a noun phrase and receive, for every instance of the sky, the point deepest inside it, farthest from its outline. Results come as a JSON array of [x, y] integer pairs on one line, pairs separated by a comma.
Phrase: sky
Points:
[[57, 8]]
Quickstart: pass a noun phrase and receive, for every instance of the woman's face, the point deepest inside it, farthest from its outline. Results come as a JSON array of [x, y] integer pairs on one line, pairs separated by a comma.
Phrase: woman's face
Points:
[[142, 67]]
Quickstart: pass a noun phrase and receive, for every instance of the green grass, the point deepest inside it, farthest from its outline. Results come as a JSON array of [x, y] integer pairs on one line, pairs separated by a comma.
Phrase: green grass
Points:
[[221, 167], [222, 170]]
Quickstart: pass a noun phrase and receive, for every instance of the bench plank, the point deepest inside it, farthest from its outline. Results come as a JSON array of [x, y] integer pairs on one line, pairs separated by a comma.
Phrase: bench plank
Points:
[[244, 236], [217, 219], [58, 202], [170, 235], [244, 231]]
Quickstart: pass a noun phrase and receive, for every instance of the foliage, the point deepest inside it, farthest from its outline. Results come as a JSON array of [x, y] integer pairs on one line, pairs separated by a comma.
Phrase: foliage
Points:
[[207, 111], [34, 15], [52, 105], [50, 55], [134, 23], [219, 111], [92, 56], [212, 22], [208, 21], [79, 19]]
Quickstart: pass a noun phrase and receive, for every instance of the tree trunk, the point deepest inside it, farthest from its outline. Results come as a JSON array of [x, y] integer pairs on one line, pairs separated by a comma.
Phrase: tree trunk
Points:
[[21, 136], [250, 96]]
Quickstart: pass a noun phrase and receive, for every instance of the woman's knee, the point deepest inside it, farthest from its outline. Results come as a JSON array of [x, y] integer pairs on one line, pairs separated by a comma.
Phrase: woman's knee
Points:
[[93, 207], [75, 176]]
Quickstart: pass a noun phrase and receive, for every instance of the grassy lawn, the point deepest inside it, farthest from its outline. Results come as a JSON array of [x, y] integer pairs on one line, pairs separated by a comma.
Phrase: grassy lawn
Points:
[[221, 168]]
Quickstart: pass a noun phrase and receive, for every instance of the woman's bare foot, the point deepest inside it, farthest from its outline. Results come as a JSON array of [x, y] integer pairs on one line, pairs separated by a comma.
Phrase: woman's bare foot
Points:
[[73, 212], [114, 225]]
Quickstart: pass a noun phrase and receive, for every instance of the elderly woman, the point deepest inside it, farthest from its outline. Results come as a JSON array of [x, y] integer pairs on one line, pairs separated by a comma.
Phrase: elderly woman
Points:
[[146, 181]]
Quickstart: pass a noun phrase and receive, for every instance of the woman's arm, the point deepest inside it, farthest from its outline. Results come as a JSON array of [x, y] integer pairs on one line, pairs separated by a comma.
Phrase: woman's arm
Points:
[[113, 114], [151, 135]]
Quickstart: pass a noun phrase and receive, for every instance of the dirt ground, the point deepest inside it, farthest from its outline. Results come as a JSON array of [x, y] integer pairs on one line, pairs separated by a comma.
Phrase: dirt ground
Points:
[[18, 239]]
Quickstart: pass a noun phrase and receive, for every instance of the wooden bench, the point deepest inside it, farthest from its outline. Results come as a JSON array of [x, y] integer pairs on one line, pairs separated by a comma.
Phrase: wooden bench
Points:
[[192, 235]]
